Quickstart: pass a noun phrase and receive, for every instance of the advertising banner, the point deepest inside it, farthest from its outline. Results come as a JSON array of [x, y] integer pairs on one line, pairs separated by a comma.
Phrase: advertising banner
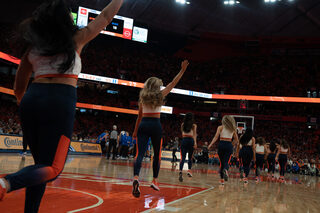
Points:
[[168, 155], [9, 142], [85, 147]]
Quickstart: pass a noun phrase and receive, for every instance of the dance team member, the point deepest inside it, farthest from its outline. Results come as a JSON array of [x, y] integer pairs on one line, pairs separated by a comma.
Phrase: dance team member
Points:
[[246, 153], [271, 159], [282, 157], [189, 142], [148, 124], [48, 106], [260, 149], [227, 133]]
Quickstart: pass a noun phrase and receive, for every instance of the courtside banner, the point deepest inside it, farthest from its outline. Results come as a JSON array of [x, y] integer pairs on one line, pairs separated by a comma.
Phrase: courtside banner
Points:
[[10, 142], [168, 155], [85, 147]]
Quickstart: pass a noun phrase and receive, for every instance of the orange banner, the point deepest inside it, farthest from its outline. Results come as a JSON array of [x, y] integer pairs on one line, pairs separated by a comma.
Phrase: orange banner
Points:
[[130, 83], [6, 91], [9, 58], [106, 108]]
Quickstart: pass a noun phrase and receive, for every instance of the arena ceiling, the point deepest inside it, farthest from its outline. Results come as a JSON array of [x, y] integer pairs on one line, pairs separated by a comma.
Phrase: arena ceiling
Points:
[[250, 17]]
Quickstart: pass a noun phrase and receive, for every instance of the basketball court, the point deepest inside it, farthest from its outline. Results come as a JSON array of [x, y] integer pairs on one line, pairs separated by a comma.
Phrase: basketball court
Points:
[[94, 184]]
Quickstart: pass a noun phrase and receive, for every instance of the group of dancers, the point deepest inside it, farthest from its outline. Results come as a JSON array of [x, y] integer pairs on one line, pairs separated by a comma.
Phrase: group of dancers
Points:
[[47, 107], [248, 150]]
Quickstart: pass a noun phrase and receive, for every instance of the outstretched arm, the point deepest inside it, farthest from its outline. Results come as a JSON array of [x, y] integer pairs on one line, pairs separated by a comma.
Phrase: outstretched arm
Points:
[[195, 135], [215, 137], [134, 135], [22, 77], [254, 146], [93, 29], [176, 79], [278, 152], [236, 139]]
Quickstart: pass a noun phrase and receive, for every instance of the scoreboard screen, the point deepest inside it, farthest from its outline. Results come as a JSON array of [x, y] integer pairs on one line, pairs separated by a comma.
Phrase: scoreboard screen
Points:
[[140, 34], [74, 15], [120, 26]]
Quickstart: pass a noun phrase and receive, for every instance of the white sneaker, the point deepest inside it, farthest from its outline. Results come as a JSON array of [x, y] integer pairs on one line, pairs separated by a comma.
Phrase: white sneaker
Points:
[[155, 185]]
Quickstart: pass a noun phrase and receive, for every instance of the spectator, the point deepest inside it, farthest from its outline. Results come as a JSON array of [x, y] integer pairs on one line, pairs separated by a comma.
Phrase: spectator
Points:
[[113, 143], [102, 140], [174, 149]]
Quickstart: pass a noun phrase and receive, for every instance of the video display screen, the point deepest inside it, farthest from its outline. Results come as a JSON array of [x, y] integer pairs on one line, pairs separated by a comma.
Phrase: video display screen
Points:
[[140, 34]]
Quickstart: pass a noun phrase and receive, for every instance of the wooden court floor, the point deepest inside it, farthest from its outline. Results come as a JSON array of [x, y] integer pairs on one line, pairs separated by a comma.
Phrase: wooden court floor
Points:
[[94, 184]]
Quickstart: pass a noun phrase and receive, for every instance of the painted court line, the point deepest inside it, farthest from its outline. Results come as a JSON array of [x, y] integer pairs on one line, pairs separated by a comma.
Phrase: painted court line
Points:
[[114, 180], [124, 182], [175, 201], [100, 200]]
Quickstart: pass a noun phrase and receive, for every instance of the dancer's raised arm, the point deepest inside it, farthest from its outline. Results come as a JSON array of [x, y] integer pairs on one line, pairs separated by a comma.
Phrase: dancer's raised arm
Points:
[[176, 79], [97, 25]]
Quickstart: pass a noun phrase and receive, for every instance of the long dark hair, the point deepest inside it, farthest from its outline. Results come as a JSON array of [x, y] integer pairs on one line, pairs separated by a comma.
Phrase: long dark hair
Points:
[[188, 122], [50, 31], [246, 137], [272, 146], [284, 144], [261, 141]]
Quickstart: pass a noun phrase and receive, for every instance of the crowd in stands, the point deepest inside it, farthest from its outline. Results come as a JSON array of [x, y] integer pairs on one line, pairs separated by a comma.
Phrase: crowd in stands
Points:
[[258, 75], [9, 120], [275, 75]]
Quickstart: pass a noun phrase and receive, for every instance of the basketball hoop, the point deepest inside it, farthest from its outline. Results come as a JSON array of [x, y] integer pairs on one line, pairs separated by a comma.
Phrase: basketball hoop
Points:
[[240, 130]]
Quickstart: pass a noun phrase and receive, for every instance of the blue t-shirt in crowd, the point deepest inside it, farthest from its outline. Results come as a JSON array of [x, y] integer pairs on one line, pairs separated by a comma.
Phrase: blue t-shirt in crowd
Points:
[[149, 144], [123, 139], [133, 142], [100, 137], [129, 141]]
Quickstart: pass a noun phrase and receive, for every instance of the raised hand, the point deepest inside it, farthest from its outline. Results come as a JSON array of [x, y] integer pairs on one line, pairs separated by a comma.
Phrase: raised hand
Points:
[[184, 65]]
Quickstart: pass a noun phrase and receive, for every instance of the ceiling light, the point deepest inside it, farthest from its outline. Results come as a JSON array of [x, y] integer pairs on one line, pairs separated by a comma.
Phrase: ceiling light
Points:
[[183, 1], [230, 2]]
